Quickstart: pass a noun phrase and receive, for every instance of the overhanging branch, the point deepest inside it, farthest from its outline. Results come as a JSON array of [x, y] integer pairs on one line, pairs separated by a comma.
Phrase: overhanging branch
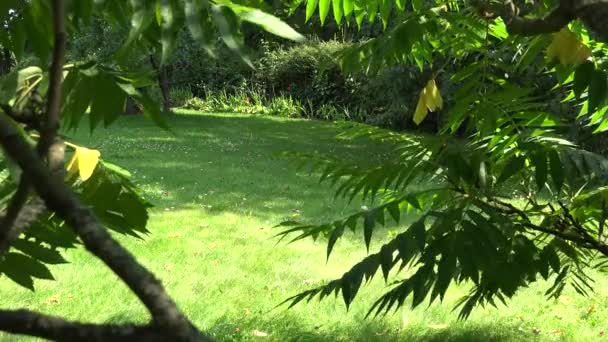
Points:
[[59, 198], [31, 323], [555, 21]]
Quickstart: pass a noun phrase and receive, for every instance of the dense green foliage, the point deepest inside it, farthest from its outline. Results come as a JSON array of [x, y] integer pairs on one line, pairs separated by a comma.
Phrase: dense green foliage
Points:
[[504, 197]]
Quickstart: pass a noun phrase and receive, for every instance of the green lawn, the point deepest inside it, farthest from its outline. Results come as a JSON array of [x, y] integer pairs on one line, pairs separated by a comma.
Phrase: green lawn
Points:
[[218, 190]]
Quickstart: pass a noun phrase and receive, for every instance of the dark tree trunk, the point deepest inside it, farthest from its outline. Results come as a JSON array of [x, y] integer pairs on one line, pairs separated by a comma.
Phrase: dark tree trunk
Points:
[[163, 83], [131, 107]]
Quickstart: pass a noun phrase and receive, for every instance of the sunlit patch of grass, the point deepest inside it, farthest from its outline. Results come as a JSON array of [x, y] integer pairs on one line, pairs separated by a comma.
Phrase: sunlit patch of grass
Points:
[[218, 189]]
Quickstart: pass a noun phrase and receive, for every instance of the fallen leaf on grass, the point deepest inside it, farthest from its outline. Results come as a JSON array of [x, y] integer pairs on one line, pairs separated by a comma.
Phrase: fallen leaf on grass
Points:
[[258, 333], [557, 332], [53, 300], [438, 326]]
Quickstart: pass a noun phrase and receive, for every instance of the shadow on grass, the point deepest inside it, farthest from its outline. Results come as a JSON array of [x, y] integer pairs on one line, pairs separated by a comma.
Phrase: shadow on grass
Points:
[[226, 163], [290, 329]]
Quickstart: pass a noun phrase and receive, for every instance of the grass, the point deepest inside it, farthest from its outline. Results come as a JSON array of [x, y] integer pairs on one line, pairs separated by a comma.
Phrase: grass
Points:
[[218, 190]]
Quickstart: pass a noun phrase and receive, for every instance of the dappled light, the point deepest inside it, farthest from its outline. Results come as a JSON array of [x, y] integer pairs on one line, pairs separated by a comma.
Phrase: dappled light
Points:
[[308, 170], [212, 241]]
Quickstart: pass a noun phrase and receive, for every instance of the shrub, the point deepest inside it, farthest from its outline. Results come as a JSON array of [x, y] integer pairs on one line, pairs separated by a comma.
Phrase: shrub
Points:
[[180, 95], [246, 103], [306, 73], [285, 107], [311, 75]]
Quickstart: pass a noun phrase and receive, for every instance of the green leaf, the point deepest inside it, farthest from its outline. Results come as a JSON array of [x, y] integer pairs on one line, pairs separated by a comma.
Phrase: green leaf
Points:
[[38, 28], [141, 19], [539, 160], [168, 14], [552, 258], [39, 252], [582, 77], [133, 210], [107, 101], [18, 38], [386, 8], [513, 166], [52, 232], [227, 24], [311, 6], [151, 109], [371, 10], [421, 285], [349, 5], [557, 169], [400, 4], [197, 20], [598, 90], [419, 233], [268, 22], [350, 286], [445, 272], [323, 9], [335, 235], [386, 261], [394, 210], [406, 246], [338, 10], [21, 269], [368, 227]]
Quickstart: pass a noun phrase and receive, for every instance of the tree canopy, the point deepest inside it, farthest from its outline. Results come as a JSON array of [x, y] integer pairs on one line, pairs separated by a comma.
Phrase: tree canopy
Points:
[[505, 192]]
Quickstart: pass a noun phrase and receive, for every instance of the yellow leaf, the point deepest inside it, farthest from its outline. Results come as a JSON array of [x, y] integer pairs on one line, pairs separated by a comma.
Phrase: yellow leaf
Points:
[[84, 161], [421, 110], [567, 49], [434, 100], [72, 166], [430, 100]]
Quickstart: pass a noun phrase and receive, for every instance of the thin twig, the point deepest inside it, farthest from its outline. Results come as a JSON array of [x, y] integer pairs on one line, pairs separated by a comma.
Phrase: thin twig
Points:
[[585, 240]]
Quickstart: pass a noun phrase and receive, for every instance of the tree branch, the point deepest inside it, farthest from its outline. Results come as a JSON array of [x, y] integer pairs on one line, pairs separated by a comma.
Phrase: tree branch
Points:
[[31, 323], [555, 21], [53, 105], [59, 198], [48, 145], [585, 241], [19, 215]]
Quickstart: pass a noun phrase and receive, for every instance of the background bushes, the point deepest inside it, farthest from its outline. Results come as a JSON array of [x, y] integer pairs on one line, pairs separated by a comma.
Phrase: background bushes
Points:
[[305, 80], [302, 80]]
